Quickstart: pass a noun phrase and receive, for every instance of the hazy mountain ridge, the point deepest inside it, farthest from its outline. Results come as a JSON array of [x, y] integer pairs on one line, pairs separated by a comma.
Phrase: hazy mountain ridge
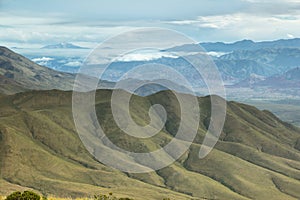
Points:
[[289, 79], [63, 45], [250, 45], [266, 59], [278, 59], [238, 45], [246, 57]]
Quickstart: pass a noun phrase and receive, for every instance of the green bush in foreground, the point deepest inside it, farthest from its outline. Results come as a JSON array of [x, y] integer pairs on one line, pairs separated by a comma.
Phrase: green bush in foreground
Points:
[[29, 195], [26, 195], [108, 197]]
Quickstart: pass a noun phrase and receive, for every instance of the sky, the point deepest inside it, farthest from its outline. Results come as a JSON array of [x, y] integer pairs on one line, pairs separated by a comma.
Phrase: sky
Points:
[[35, 23]]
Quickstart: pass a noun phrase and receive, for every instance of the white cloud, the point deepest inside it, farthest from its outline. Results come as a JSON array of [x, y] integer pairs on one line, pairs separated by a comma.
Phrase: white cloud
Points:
[[245, 25], [49, 30], [257, 20], [219, 22], [145, 56], [42, 59], [290, 35], [215, 22], [182, 22], [216, 54], [73, 64]]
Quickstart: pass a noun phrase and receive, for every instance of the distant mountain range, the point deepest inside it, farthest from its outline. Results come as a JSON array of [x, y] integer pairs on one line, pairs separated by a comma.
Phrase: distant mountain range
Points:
[[239, 65], [246, 62], [240, 68], [239, 45], [234, 67], [289, 79], [251, 45], [210, 46], [280, 59], [237, 62], [63, 45]]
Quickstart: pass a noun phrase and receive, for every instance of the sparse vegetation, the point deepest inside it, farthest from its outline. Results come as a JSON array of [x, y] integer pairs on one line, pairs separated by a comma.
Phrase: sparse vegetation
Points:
[[42, 150], [109, 197], [26, 195]]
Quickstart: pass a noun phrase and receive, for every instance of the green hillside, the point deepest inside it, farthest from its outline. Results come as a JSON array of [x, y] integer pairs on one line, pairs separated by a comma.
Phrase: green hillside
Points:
[[257, 157]]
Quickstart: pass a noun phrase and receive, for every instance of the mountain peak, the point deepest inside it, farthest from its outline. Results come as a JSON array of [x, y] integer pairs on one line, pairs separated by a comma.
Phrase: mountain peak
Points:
[[63, 45], [245, 41]]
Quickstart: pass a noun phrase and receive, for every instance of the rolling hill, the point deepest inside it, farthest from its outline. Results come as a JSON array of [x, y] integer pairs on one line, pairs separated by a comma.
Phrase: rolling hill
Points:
[[18, 74], [25, 74], [9, 86], [257, 156]]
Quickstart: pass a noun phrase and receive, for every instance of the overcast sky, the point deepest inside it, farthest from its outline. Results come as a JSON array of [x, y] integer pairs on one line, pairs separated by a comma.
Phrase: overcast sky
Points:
[[40, 22]]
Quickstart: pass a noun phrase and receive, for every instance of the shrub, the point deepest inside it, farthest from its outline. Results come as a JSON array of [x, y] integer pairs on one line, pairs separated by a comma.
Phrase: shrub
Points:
[[108, 197], [26, 195], [14, 196], [104, 197]]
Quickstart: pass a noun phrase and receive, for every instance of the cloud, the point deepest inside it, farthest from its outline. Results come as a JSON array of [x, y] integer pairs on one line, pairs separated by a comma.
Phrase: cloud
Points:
[[244, 25], [41, 31], [31, 23], [119, 10], [214, 21], [73, 64], [145, 56], [272, 7], [42, 59], [290, 35], [225, 21], [216, 54]]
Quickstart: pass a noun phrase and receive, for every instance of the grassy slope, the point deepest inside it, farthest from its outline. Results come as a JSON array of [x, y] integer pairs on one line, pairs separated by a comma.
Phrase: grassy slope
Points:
[[256, 158], [8, 86]]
